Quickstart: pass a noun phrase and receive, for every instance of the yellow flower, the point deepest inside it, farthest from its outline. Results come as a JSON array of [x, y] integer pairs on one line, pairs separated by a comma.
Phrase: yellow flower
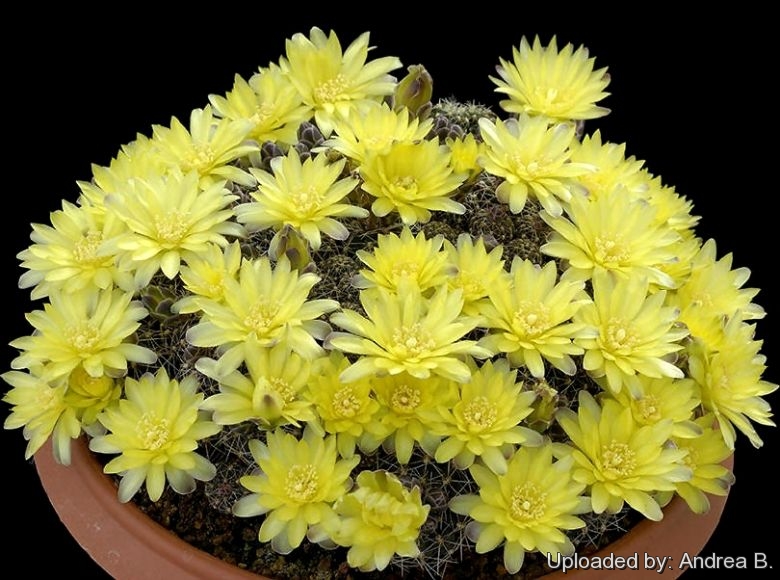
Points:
[[405, 403], [630, 333], [465, 153], [664, 399], [305, 196], [296, 486], [611, 168], [207, 148], [672, 209], [272, 394], [374, 130], [86, 328], [39, 407], [379, 519], [531, 157], [731, 383], [531, 314], [613, 233], [135, 160], [346, 410], [528, 507], [477, 270], [405, 259], [412, 179], [712, 293], [205, 274], [406, 332], [59, 408], [265, 306], [679, 270], [705, 455], [156, 429], [559, 85], [485, 420], [70, 255], [169, 220], [621, 460], [331, 81], [88, 395], [269, 102]]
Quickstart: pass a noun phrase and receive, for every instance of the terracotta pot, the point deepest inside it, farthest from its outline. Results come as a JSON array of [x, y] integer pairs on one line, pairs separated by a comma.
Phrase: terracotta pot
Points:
[[128, 544], [120, 537], [679, 533]]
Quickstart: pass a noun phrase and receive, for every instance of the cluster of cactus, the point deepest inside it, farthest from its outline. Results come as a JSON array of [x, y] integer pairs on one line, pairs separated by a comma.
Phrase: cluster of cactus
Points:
[[409, 330], [442, 539]]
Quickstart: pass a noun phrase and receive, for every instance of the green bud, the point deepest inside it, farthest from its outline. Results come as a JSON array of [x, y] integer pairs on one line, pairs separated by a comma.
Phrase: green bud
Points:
[[545, 406], [415, 91], [288, 242]]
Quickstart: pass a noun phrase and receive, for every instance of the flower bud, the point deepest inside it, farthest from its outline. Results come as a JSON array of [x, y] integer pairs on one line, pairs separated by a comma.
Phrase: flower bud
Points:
[[415, 91]]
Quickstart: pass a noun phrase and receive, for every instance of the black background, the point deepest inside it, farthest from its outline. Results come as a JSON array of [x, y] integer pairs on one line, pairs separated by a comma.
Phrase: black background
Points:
[[692, 98]]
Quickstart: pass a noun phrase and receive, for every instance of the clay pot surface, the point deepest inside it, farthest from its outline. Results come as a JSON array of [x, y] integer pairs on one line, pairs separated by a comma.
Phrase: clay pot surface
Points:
[[679, 533], [123, 540], [129, 545]]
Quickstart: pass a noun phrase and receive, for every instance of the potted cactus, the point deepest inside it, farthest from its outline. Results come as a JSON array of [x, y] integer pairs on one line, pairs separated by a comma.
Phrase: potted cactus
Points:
[[326, 291]]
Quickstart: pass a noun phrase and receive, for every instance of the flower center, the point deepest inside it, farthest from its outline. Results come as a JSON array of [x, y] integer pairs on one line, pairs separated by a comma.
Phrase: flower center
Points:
[[551, 99], [201, 158], [596, 182], [406, 182], [692, 458], [381, 509], [528, 503], [611, 250], [271, 396], [649, 409], [723, 381], [617, 460], [472, 287], [620, 336], [702, 299], [376, 142], [402, 188], [283, 388], [83, 337], [307, 200], [153, 431], [405, 399], [47, 398], [530, 170], [260, 317], [480, 414], [532, 318], [406, 270], [262, 113], [213, 286], [345, 402], [412, 341], [302, 483], [85, 249], [171, 227], [331, 90]]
